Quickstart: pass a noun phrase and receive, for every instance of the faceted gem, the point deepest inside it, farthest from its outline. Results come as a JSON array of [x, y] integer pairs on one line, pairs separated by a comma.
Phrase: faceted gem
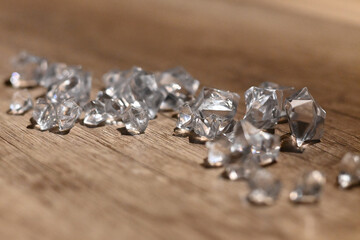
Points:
[[29, 70], [349, 174], [264, 188], [21, 102], [241, 136], [67, 114], [241, 168], [57, 72], [94, 113], [218, 152], [44, 114], [207, 127], [265, 147], [114, 109], [136, 118], [308, 188], [262, 107], [305, 116], [186, 117]]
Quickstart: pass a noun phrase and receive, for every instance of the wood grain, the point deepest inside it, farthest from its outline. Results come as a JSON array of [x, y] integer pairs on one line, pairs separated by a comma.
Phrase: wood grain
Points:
[[95, 183]]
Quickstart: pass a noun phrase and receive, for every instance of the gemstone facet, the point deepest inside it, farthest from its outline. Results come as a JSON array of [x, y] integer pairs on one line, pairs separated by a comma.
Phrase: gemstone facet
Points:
[[94, 113], [67, 114], [44, 114], [349, 174], [218, 152], [136, 118], [21, 102]]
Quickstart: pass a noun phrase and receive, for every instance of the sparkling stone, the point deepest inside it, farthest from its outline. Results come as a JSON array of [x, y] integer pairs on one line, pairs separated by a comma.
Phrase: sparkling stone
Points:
[[57, 72], [265, 147], [305, 116], [114, 107], [241, 136], [44, 114], [136, 118], [241, 168], [67, 114], [262, 107], [264, 188], [186, 118], [208, 127], [308, 188], [349, 174], [21, 102], [29, 70], [95, 113], [218, 152]]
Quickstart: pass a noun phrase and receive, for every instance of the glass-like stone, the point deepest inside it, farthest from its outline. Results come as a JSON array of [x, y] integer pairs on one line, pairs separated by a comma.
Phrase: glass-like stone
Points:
[[265, 147], [305, 116], [67, 114], [57, 72], [264, 188], [218, 152], [136, 118], [207, 127], [44, 114], [117, 81], [241, 168], [95, 113], [308, 188], [186, 118], [349, 174], [241, 136], [114, 109], [21, 102], [28, 70]]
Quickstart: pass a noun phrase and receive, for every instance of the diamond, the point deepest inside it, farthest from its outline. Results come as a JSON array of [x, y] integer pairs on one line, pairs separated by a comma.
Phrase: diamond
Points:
[[308, 188], [29, 70], [349, 174], [241, 136], [264, 188], [94, 113], [218, 152], [186, 117], [67, 114], [21, 102], [305, 116], [136, 118], [116, 81], [44, 114], [57, 72], [265, 147], [241, 168]]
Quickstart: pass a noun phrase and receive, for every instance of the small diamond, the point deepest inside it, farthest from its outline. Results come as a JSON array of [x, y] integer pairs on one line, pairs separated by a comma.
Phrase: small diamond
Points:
[[29, 70], [305, 116], [136, 118], [57, 72], [264, 188], [241, 168], [21, 102], [44, 114], [265, 147], [116, 82], [114, 109], [218, 152], [207, 127], [349, 174], [241, 136], [94, 113], [67, 114], [308, 188], [186, 117]]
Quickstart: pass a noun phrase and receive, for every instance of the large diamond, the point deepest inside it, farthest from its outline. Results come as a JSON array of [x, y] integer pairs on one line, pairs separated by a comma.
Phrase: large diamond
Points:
[[67, 114], [136, 118], [349, 174], [21, 102], [305, 116], [44, 114]]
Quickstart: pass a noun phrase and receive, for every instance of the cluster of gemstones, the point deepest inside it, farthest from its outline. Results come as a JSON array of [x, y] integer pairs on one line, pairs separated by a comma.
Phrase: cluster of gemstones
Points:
[[133, 97]]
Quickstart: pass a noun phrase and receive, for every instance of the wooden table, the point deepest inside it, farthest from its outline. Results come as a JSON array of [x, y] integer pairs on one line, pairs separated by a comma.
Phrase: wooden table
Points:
[[95, 183]]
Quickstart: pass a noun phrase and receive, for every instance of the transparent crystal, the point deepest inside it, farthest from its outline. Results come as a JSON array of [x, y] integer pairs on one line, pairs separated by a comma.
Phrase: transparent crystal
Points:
[[265, 147], [67, 114], [136, 118], [28, 70], [57, 72], [264, 188], [306, 118], [262, 107], [114, 109], [208, 127], [44, 114], [349, 174], [241, 136], [117, 81], [186, 117], [241, 168], [218, 152], [95, 113], [21, 102], [308, 188]]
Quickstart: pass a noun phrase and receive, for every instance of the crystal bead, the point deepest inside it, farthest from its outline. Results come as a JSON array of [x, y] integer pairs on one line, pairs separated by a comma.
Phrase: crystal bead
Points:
[[95, 113], [44, 114], [218, 152], [265, 147], [305, 116], [21, 102], [136, 118], [29, 70], [349, 174], [186, 117], [308, 188], [67, 114], [264, 188], [241, 168]]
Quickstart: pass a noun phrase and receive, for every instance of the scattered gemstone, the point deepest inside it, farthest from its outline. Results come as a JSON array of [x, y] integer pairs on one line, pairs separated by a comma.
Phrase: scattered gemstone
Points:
[[305, 116], [241, 168], [308, 188], [186, 118], [218, 152], [95, 113], [264, 188], [44, 114], [21, 102], [349, 174], [67, 114], [57, 72], [265, 147], [241, 136], [136, 118]]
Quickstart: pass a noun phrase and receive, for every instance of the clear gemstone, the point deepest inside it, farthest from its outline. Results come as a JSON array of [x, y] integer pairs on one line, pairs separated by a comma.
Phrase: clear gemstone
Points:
[[305, 116], [207, 127], [265, 147], [94, 113], [44, 114], [57, 72], [136, 118], [308, 188], [349, 174], [67, 114], [186, 117], [29, 70], [241, 168], [264, 188], [114, 109], [218, 152], [21, 102], [241, 136]]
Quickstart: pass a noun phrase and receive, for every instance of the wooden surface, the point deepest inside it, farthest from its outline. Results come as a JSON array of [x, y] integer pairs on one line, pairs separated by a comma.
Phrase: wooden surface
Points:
[[95, 183]]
